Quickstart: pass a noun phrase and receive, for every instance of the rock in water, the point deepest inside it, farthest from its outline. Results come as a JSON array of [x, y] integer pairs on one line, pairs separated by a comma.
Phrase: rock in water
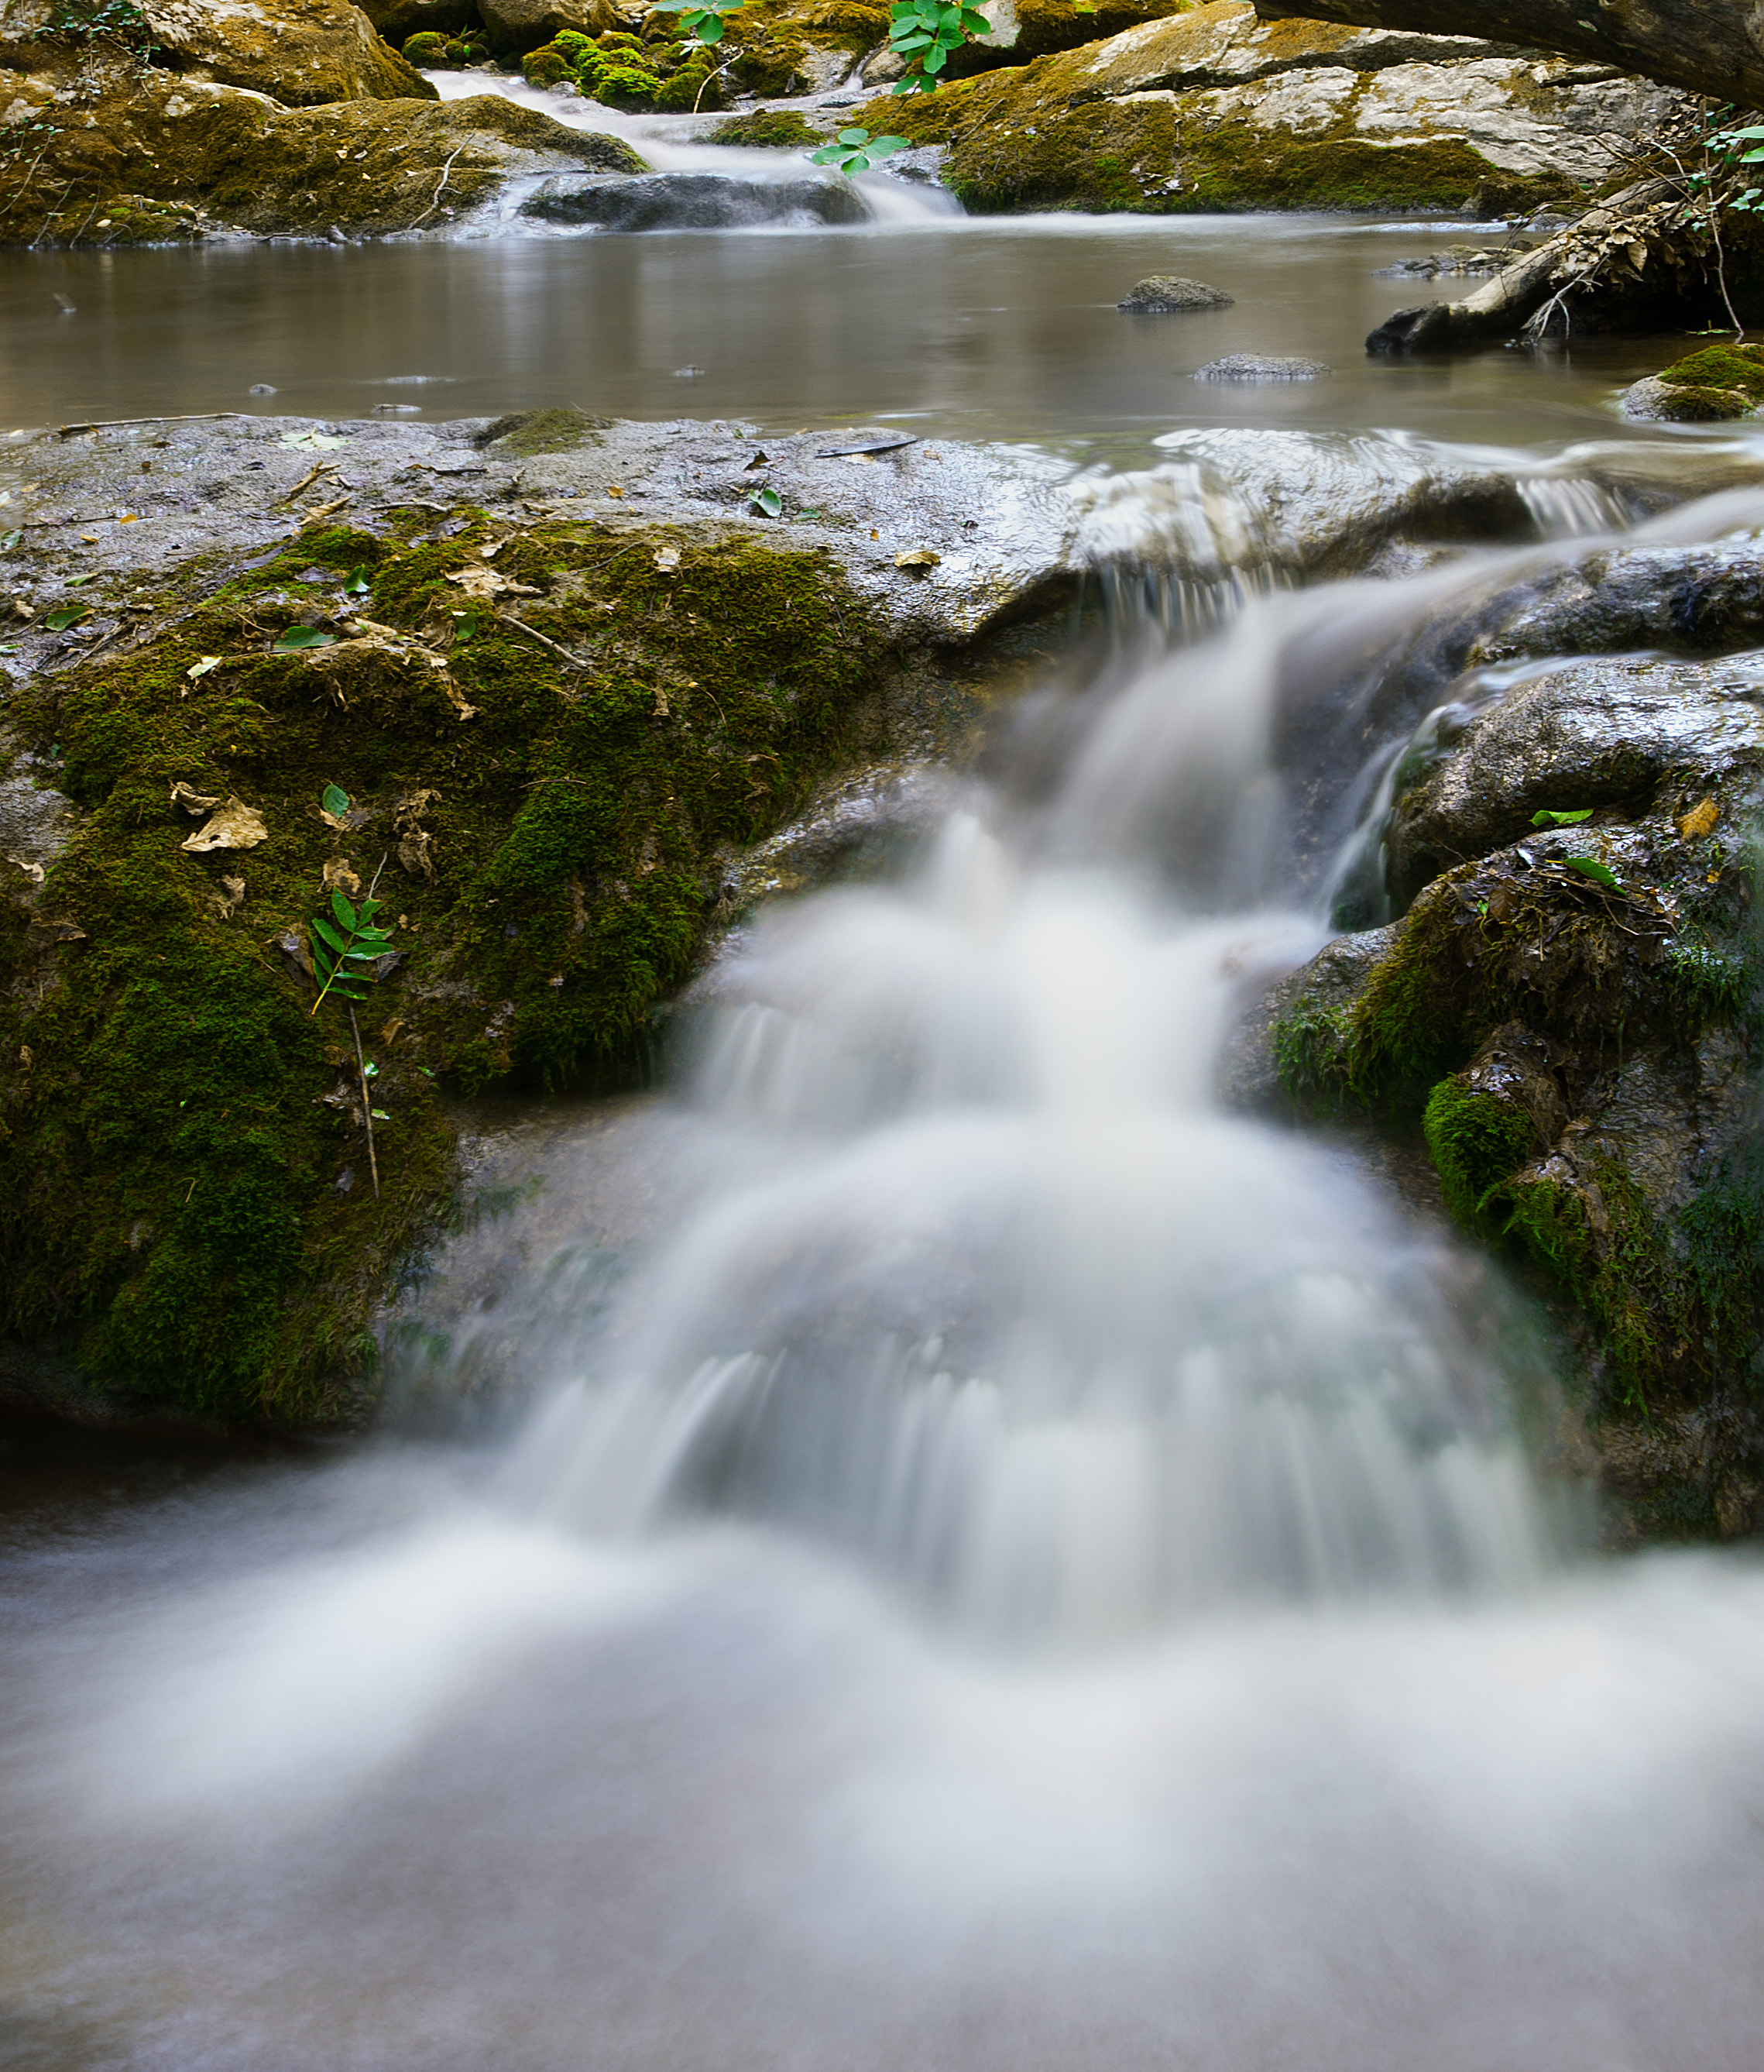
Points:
[[1164, 294], [1255, 367], [692, 201]]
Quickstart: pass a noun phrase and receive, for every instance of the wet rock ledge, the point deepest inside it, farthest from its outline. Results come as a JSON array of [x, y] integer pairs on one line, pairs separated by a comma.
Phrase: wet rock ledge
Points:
[[1568, 1006], [560, 675]]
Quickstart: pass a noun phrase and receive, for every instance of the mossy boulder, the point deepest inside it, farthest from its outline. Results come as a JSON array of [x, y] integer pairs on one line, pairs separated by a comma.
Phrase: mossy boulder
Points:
[[300, 52], [785, 47], [218, 159], [1707, 387], [513, 26], [769, 129], [1573, 1014], [550, 734], [1213, 110]]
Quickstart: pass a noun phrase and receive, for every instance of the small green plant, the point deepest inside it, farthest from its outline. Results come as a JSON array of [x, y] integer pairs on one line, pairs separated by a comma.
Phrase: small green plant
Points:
[[1548, 819], [705, 19], [927, 33], [855, 151], [344, 941], [765, 503]]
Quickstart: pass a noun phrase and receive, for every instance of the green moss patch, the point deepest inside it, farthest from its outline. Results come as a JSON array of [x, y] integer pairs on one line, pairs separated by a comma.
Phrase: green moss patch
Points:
[[1039, 136], [184, 1192], [778, 129], [1477, 1140], [1740, 367], [561, 429]]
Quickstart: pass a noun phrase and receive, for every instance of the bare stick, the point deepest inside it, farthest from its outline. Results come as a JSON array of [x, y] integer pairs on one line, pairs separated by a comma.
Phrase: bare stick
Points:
[[361, 1067], [366, 1103], [435, 202]]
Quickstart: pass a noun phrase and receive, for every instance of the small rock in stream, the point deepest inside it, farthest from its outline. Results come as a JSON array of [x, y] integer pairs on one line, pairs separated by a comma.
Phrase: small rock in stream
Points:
[[1167, 294], [1255, 367]]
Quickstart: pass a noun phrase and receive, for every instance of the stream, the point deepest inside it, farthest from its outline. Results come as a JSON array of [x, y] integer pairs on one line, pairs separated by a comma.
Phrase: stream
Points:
[[924, 1542]]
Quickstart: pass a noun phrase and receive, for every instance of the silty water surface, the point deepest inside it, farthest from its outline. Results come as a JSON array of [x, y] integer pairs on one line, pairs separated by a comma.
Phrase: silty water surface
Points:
[[1002, 1565]]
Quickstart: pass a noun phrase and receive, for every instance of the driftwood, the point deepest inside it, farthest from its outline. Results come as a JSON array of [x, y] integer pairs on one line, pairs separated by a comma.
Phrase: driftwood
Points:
[[1520, 294], [1708, 46]]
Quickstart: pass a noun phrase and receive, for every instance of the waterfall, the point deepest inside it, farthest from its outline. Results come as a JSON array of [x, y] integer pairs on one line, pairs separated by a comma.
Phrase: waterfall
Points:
[[1003, 1304]]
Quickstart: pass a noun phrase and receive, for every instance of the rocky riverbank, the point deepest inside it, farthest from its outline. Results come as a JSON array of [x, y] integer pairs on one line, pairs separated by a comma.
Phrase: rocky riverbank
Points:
[[185, 120], [543, 679], [586, 690]]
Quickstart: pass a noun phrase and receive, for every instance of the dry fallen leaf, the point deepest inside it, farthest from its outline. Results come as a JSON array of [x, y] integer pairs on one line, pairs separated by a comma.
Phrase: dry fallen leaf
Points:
[[1699, 820], [667, 559], [234, 897], [33, 871], [917, 557], [612, 490], [416, 854], [490, 583], [339, 876], [193, 802], [294, 948], [235, 825]]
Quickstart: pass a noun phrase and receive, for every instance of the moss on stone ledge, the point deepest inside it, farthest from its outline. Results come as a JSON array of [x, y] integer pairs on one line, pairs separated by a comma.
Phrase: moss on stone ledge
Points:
[[1041, 136], [184, 1192]]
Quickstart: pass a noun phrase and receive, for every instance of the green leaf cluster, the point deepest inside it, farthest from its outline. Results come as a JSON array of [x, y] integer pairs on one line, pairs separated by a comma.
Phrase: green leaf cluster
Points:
[[855, 151], [928, 33]]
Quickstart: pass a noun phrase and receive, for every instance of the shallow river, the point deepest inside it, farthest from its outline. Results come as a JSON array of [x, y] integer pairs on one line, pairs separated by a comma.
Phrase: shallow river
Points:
[[975, 329], [925, 1543]]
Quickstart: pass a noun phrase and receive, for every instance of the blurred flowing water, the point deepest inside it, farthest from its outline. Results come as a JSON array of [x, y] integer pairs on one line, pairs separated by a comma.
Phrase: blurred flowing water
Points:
[[955, 1548]]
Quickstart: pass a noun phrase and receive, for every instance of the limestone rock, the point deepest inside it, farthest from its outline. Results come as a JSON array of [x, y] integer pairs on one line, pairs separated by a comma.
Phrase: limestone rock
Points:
[[1166, 293], [1212, 109], [1600, 734], [1570, 1009]]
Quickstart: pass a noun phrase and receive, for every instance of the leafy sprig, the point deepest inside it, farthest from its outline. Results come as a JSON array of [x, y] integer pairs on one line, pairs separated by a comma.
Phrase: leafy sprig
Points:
[[855, 151], [927, 33]]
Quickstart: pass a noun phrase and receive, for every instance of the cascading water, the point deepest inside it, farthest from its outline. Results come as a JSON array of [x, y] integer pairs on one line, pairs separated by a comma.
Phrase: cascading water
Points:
[[1016, 1311]]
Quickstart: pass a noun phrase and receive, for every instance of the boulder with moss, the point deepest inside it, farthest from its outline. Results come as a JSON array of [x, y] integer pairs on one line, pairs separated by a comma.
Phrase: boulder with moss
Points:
[[177, 158], [556, 714], [1570, 1009], [1720, 381], [1214, 110]]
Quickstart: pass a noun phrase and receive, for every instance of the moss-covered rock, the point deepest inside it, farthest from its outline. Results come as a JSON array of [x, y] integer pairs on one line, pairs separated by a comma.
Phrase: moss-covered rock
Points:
[[1214, 110], [1574, 1015], [772, 129], [549, 734], [1706, 387], [300, 52], [217, 158], [786, 46]]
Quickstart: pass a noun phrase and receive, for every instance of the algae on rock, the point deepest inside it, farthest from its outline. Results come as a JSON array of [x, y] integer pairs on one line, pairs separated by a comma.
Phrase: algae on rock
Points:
[[1212, 110], [1574, 1014], [182, 1202]]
